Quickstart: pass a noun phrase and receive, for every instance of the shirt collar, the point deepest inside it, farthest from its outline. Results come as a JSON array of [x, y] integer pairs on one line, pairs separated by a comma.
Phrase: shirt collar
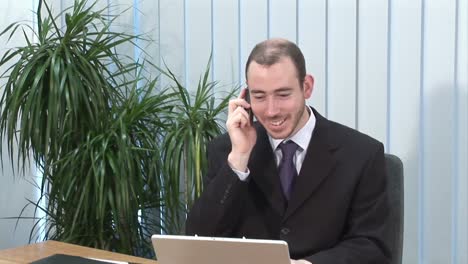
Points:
[[302, 137]]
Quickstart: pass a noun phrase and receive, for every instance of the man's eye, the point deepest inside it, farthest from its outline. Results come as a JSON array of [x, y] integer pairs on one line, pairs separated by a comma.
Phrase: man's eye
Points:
[[284, 95]]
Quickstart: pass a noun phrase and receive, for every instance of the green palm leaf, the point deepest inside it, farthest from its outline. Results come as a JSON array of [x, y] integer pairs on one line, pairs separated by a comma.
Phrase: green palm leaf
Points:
[[195, 121]]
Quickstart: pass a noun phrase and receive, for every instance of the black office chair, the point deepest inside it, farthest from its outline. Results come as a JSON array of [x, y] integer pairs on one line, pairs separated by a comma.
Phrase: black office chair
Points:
[[395, 188]]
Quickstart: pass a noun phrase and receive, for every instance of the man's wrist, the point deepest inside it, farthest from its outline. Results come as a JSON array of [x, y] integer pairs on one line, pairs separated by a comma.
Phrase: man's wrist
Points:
[[238, 161]]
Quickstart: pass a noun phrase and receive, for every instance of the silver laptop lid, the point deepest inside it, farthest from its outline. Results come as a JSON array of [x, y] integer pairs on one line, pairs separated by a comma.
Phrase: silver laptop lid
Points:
[[214, 250]]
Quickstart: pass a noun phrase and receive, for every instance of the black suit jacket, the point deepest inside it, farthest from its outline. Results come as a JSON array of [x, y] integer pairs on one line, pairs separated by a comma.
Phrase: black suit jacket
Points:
[[338, 207]]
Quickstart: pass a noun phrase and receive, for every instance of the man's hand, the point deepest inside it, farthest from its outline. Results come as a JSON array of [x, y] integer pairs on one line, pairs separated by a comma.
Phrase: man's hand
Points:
[[242, 133], [300, 261]]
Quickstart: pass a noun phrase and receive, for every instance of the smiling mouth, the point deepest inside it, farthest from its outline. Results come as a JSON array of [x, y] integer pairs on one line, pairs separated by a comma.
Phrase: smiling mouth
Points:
[[277, 123]]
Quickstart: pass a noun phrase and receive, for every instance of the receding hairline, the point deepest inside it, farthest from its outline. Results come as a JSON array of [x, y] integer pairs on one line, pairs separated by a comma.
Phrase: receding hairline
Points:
[[272, 51]]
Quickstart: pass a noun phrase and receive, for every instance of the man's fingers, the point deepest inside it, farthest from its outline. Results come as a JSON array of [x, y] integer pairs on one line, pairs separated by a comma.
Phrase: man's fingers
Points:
[[233, 104], [238, 118], [241, 117], [237, 115]]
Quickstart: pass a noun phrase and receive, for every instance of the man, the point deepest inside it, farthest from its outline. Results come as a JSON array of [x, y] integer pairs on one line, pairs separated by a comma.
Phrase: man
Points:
[[293, 175]]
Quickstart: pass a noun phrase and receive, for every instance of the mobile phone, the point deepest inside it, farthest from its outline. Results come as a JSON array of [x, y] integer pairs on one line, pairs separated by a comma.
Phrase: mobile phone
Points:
[[247, 99]]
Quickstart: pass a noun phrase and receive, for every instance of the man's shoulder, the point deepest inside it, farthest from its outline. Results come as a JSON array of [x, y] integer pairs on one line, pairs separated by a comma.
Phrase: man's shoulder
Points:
[[351, 146], [350, 137], [338, 132]]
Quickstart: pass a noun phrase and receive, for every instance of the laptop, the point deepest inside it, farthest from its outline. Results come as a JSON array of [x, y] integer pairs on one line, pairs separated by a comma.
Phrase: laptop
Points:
[[172, 249]]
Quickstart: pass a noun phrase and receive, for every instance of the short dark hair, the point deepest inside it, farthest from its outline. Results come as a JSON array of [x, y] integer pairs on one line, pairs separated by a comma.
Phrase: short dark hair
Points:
[[270, 51]]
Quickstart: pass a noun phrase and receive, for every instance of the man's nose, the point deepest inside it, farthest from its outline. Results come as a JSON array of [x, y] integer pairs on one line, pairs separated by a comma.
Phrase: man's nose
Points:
[[272, 108]]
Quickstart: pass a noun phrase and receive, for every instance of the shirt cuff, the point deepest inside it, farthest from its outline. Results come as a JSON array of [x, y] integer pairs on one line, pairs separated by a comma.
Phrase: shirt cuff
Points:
[[242, 175]]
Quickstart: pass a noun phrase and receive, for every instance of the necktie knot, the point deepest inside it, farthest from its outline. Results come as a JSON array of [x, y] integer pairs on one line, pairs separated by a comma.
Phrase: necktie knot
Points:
[[288, 149]]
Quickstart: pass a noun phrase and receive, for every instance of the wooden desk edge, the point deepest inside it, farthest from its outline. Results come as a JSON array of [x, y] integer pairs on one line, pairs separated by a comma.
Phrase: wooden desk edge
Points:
[[33, 252]]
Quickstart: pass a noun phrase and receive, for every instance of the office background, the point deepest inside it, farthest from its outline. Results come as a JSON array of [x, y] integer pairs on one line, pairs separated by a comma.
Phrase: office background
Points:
[[394, 69]]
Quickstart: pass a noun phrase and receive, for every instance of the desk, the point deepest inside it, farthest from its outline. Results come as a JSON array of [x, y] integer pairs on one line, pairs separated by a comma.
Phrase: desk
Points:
[[37, 251]]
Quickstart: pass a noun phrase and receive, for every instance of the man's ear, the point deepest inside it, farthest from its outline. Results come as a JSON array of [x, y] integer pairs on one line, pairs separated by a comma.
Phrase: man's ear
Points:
[[308, 85]]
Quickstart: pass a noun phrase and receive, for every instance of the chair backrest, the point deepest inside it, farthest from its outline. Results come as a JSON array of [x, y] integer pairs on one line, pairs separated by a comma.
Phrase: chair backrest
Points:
[[395, 188]]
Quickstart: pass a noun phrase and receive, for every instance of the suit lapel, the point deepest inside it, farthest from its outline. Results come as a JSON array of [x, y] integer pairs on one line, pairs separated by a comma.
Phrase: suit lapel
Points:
[[265, 173], [318, 163]]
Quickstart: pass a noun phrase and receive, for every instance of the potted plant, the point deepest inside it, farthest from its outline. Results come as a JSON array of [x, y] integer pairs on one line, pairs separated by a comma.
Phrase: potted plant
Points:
[[92, 125], [114, 151]]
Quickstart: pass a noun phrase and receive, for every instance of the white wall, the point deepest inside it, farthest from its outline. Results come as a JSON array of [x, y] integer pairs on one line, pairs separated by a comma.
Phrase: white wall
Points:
[[395, 69], [14, 190]]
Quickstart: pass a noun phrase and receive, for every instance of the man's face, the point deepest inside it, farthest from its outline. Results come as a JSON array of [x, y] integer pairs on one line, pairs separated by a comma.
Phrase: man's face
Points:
[[277, 97]]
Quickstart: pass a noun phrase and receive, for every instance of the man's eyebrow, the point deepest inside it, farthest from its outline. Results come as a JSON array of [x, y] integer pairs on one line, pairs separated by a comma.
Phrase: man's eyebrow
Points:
[[279, 90], [283, 89], [256, 91]]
